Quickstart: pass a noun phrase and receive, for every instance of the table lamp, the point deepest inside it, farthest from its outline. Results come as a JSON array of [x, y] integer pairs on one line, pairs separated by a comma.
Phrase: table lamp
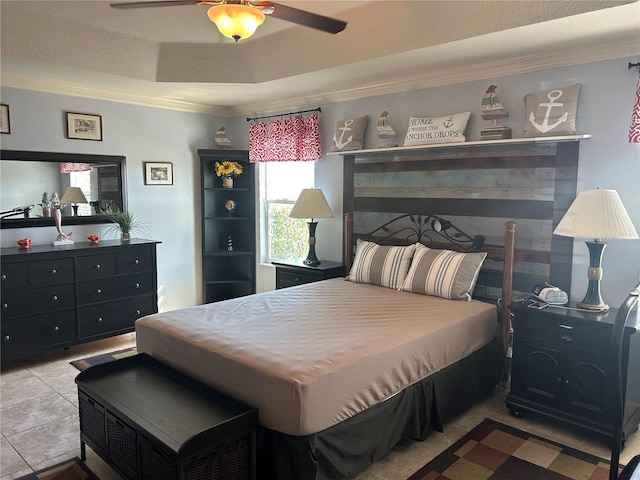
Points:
[[311, 204], [74, 196], [597, 214]]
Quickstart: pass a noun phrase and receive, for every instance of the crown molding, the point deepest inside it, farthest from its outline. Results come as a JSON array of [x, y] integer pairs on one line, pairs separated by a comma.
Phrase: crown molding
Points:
[[543, 60], [468, 72], [30, 82]]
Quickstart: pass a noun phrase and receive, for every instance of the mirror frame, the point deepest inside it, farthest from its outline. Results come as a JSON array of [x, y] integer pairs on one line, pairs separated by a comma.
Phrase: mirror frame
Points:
[[29, 156]]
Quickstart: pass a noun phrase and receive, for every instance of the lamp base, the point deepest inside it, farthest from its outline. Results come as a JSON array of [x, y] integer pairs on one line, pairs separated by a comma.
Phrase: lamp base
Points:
[[596, 308], [312, 259], [593, 300]]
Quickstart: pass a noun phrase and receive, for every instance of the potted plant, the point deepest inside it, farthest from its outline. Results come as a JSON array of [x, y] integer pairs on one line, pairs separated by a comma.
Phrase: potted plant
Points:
[[227, 170], [124, 222]]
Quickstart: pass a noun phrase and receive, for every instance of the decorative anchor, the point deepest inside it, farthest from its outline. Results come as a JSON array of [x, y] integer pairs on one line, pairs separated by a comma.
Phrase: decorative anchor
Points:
[[545, 126], [448, 122], [341, 143]]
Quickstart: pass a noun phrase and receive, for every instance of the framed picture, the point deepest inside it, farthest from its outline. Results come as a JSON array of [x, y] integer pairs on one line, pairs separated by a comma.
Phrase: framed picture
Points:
[[158, 173], [84, 126], [5, 124]]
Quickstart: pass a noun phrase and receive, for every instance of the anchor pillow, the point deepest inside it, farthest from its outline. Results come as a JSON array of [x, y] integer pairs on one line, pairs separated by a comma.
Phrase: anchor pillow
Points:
[[349, 134], [552, 112], [447, 129]]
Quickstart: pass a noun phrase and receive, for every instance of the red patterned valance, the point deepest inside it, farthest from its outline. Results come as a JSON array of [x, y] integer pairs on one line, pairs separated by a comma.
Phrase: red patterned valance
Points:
[[70, 167], [285, 140]]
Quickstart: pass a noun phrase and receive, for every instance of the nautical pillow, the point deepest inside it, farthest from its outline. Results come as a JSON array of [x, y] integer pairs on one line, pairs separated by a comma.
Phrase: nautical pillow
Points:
[[349, 134], [443, 273], [448, 129], [552, 112], [380, 265]]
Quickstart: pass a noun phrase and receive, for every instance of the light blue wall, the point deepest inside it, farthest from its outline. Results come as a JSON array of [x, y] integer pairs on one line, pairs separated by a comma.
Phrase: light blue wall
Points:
[[607, 160], [142, 134]]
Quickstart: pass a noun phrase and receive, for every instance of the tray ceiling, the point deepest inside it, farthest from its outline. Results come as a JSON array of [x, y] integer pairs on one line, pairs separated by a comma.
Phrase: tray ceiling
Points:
[[174, 57]]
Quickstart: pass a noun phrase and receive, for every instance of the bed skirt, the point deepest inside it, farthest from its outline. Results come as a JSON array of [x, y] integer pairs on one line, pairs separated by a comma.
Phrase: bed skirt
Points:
[[348, 448]]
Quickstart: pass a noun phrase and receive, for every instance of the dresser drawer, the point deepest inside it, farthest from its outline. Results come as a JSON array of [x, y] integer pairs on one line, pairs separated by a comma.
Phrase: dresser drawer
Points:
[[114, 316], [36, 300], [136, 260], [38, 331], [14, 276], [51, 272], [289, 278], [96, 266], [589, 336], [107, 289]]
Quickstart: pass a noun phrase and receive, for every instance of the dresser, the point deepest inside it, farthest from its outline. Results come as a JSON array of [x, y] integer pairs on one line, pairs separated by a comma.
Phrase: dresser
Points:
[[55, 297], [294, 272], [563, 367]]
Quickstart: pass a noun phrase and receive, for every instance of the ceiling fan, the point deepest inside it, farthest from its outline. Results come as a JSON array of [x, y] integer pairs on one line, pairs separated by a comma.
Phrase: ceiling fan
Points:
[[239, 19]]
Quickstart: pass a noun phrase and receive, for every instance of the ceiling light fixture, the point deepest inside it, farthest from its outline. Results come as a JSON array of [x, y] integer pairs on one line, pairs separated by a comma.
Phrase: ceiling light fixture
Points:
[[235, 20]]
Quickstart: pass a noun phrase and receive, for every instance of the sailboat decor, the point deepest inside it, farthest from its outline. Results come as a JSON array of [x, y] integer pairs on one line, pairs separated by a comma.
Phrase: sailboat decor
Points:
[[385, 130], [222, 141], [492, 109]]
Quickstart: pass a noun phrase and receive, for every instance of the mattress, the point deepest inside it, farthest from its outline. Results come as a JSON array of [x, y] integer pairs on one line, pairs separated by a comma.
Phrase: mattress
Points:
[[314, 355]]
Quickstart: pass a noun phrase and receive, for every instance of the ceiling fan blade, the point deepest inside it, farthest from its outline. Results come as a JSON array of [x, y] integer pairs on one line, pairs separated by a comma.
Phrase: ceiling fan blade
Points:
[[157, 3], [301, 17]]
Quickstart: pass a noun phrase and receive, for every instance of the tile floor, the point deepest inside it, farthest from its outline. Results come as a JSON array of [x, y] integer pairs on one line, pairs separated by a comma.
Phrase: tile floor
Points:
[[39, 421]]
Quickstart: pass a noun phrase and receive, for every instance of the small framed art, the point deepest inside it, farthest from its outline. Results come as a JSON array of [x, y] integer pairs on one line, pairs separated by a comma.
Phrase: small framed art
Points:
[[84, 126], [5, 124], [158, 173]]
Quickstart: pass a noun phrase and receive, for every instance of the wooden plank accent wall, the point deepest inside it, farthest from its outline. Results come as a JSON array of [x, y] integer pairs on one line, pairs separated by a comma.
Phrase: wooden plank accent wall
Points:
[[478, 188]]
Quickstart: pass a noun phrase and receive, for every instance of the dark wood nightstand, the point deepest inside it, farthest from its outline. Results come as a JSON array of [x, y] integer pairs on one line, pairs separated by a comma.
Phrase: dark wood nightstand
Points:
[[294, 272], [563, 367]]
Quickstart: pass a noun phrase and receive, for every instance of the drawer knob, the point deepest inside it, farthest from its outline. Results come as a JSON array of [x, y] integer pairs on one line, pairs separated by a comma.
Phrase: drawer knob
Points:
[[6, 338], [99, 291], [53, 271], [100, 320], [98, 266], [54, 298], [137, 285], [566, 327], [4, 276], [56, 329], [138, 312], [137, 262], [5, 305]]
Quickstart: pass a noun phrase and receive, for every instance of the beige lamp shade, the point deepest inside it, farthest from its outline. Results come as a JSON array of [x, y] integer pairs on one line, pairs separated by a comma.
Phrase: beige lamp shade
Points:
[[311, 204], [236, 21], [597, 214], [73, 195]]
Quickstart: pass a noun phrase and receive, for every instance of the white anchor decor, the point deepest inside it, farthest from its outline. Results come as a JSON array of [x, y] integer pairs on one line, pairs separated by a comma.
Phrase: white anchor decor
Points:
[[552, 112], [349, 134]]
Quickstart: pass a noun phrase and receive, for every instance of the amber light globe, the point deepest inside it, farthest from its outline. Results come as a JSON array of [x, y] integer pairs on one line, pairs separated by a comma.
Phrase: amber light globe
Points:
[[236, 21]]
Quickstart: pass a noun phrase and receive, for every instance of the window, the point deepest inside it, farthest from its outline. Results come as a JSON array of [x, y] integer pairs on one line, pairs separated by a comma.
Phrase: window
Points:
[[282, 237], [82, 180]]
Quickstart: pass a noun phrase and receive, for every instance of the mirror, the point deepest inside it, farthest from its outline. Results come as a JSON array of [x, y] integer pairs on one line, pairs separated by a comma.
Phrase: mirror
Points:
[[26, 176]]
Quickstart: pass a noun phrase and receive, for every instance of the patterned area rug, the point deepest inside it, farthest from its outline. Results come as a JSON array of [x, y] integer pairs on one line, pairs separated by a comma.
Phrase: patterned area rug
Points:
[[85, 363], [493, 451], [72, 469]]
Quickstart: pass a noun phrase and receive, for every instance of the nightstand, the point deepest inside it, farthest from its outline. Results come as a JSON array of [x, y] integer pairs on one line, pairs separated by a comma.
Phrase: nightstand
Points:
[[294, 272], [563, 367]]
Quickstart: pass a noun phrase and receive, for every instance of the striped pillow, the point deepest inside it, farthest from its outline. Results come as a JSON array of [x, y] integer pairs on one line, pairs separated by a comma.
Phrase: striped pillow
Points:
[[380, 265], [443, 273]]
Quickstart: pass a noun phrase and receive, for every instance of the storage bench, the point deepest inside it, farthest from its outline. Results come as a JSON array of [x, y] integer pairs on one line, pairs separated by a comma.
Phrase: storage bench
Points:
[[151, 422]]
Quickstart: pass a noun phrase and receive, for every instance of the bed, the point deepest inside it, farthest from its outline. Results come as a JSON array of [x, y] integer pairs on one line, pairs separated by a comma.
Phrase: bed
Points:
[[343, 370]]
